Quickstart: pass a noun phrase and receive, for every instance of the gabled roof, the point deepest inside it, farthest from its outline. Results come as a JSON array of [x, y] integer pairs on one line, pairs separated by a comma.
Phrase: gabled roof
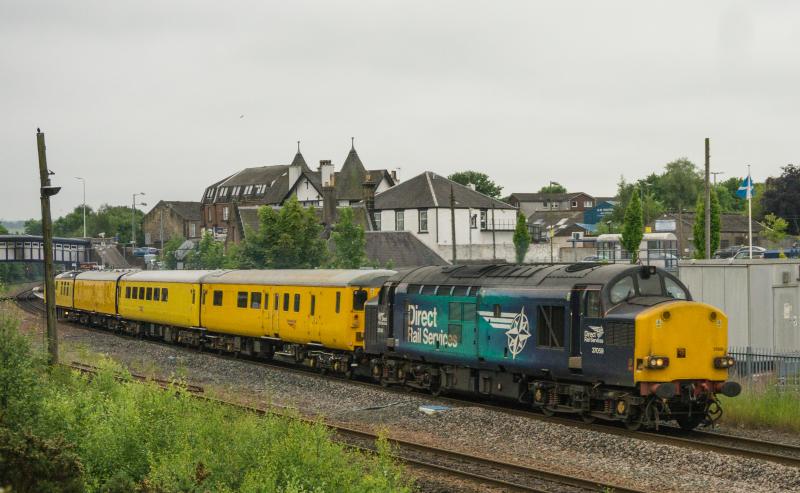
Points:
[[401, 247], [190, 211], [431, 190], [546, 197], [564, 221], [729, 223], [350, 178]]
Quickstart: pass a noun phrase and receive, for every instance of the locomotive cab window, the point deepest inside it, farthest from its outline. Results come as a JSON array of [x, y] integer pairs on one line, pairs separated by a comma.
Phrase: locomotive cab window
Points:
[[591, 304], [622, 290], [550, 326], [255, 300], [217, 298], [359, 299], [241, 299], [674, 290], [650, 285]]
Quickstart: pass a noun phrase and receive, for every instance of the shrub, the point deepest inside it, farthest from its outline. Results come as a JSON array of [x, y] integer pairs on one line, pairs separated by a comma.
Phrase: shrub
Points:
[[763, 406], [29, 463]]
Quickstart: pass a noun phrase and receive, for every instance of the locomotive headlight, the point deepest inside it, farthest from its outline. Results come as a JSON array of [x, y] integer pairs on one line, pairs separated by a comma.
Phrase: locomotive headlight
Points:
[[657, 362], [724, 362]]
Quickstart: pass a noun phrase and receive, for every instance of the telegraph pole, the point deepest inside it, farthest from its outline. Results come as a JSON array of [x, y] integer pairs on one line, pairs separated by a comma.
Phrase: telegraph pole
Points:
[[47, 191], [453, 221], [708, 200]]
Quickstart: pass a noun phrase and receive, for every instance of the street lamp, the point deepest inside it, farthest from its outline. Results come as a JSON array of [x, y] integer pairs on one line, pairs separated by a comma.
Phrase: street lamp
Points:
[[133, 220], [84, 203]]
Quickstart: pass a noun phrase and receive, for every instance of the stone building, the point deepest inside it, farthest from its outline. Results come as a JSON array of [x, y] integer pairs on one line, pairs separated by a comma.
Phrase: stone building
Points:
[[170, 218]]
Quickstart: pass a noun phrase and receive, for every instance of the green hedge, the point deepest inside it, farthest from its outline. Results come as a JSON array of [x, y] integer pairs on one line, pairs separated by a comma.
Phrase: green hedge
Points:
[[103, 435]]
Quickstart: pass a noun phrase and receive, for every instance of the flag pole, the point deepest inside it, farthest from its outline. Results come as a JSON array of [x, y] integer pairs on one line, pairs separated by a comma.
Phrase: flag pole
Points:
[[750, 210]]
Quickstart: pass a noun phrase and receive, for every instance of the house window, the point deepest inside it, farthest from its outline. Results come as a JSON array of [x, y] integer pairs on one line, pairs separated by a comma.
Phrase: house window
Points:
[[574, 203], [588, 203], [473, 220], [209, 214], [550, 326], [399, 221], [376, 220], [484, 219], [241, 299], [423, 220], [192, 230], [225, 213], [217, 298]]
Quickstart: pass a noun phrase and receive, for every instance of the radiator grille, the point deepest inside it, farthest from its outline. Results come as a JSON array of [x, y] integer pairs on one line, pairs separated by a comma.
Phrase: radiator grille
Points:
[[620, 334]]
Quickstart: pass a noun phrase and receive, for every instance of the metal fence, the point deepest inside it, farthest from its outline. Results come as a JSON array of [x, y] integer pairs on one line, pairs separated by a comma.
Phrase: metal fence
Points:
[[752, 363]]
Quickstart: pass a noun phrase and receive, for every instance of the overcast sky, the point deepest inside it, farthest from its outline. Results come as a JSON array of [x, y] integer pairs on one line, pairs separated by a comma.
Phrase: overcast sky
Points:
[[147, 96]]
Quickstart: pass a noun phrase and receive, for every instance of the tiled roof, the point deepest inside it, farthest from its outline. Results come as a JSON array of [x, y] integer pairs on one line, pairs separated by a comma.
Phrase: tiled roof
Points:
[[729, 223], [564, 221], [350, 178], [431, 190], [190, 211], [401, 247]]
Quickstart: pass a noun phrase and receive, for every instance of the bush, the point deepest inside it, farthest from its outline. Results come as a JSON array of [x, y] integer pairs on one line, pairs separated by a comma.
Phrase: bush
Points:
[[29, 463], [127, 436]]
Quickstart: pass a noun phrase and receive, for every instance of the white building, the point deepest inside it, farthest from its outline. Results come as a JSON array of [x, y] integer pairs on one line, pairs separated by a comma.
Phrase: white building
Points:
[[422, 205]]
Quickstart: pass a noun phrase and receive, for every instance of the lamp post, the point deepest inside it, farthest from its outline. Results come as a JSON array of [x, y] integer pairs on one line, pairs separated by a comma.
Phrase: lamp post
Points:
[[84, 203], [133, 220]]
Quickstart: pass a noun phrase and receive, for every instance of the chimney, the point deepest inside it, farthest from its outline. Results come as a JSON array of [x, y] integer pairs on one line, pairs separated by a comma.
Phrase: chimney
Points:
[[368, 194], [394, 175], [326, 172], [328, 203]]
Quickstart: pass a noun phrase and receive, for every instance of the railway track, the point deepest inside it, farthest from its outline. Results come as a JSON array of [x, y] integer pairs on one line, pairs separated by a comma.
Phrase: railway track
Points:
[[480, 470], [668, 435]]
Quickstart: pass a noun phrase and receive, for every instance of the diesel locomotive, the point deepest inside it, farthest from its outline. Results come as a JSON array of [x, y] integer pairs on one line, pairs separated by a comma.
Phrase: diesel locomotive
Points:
[[616, 342]]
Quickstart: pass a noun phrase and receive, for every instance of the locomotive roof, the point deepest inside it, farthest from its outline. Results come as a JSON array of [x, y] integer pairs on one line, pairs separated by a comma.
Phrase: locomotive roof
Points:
[[302, 277], [544, 275], [102, 275], [178, 276]]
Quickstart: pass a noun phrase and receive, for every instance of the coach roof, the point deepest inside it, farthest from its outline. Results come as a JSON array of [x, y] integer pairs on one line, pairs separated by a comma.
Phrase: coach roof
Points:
[[301, 277], [171, 276], [102, 275]]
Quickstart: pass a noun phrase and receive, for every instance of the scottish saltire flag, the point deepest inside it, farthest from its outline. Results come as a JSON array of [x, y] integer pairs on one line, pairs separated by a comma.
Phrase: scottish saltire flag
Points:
[[746, 190]]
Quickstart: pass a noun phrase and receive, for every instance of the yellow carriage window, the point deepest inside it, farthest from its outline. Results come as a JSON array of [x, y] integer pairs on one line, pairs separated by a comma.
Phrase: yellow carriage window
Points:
[[149, 294], [141, 293], [297, 302], [360, 298], [241, 299], [286, 302], [156, 294], [128, 292], [255, 300], [275, 305], [338, 301], [165, 293], [217, 298], [266, 301], [313, 303], [134, 293]]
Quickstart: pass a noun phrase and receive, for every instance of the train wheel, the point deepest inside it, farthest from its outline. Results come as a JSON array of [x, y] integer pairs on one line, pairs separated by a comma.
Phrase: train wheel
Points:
[[633, 423], [588, 418], [547, 411]]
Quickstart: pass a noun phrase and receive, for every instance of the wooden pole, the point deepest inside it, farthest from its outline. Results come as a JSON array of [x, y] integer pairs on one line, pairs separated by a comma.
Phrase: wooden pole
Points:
[[46, 192], [708, 200], [453, 221]]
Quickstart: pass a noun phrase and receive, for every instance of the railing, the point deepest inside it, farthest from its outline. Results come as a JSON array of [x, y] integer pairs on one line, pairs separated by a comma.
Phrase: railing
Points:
[[753, 363]]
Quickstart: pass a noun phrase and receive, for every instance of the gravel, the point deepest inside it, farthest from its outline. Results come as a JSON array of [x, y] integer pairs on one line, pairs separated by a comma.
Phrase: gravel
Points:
[[603, 457]]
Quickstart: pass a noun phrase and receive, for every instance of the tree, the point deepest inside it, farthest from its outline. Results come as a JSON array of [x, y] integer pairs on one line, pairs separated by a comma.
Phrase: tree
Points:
[[729, 202], [553, 187], [70, 225], [33, 227], [287, 239], [349, 242], [522, 238], [699, 230], [168, 253], [481, 181], [208, 255], [652, 208], [776, 228], [680, 184], [633, 229], [782, 197]]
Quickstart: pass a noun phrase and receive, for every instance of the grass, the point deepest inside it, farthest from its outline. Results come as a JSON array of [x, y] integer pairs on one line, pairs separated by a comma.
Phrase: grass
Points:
[[60, 431], [763, 405]]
